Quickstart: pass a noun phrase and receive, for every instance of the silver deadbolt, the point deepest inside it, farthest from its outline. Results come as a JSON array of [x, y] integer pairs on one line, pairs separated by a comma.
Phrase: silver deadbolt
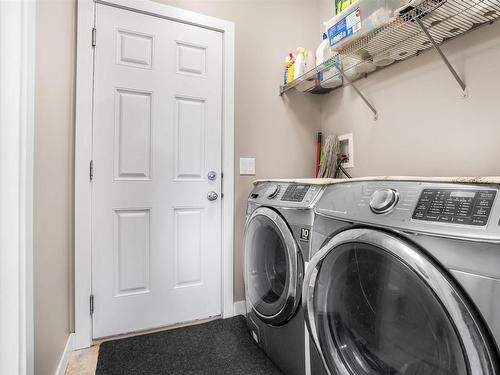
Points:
[[212, 175], [212, 196]]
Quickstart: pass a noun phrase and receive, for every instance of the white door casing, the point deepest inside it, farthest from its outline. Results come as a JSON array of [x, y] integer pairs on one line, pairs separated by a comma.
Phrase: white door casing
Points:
[[157, 134], [17, 93]]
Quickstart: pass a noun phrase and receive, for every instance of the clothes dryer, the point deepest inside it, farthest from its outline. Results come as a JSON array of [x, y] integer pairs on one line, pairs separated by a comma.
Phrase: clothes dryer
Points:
[[405, 279]]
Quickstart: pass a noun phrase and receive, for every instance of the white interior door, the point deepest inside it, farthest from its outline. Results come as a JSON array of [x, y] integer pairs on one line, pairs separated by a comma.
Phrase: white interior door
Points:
[[156, 247]]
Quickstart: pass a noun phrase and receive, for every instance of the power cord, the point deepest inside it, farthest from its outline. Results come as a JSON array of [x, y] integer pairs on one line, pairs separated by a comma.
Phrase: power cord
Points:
[[339, 168]]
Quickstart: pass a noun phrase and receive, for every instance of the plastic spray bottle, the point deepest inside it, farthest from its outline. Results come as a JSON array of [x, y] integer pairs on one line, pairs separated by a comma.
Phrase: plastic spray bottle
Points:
[[300, 63], [285, 73], [290, 63]]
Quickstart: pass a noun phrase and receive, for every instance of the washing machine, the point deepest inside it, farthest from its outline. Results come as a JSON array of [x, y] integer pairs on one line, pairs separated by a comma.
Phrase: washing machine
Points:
[[405, 279], [277, 246]]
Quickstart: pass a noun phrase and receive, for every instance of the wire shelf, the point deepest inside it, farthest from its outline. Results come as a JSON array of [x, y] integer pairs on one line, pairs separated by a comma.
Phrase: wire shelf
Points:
[[402, 39]]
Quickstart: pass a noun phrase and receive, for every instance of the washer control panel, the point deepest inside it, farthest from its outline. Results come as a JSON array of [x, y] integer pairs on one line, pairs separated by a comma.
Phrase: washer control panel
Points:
[[458, 210], [295, 193], [465, 207]]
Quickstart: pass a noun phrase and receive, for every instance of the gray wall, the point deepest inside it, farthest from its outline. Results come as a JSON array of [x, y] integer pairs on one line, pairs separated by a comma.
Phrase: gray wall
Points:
[[425, 127], [53, 180]]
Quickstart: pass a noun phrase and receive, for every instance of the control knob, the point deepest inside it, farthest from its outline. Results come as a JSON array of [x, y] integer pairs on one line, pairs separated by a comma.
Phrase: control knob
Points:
[[273, 191], [383, 200]]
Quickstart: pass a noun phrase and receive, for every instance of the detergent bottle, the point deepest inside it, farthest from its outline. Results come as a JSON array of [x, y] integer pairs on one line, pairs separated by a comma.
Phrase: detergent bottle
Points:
[[300, 63], [340, 5], [285, 74], [290, 67], [323, 52]]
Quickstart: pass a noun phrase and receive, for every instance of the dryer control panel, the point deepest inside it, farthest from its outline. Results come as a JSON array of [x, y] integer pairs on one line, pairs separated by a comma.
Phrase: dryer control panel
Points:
[[295, 193], [465, 207], [285, 194]]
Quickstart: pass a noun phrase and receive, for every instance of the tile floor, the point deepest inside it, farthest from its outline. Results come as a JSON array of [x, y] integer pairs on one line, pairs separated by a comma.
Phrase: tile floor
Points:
[[83, 362]]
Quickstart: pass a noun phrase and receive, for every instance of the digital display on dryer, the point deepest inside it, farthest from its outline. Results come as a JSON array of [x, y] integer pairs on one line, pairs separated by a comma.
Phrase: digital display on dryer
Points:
[[464, 207], [462, 194], [295, 193]]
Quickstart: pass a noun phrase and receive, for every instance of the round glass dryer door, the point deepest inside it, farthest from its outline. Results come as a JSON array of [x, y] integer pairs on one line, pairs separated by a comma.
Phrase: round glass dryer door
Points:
[[273, 267], [375, 305]]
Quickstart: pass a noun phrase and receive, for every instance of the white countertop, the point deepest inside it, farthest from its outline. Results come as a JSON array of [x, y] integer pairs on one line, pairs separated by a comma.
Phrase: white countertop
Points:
[[331, 181]]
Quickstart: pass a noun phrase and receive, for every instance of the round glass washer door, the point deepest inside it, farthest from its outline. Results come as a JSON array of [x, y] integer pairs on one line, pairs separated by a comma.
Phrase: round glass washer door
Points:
[[376, 305], [273, 267]]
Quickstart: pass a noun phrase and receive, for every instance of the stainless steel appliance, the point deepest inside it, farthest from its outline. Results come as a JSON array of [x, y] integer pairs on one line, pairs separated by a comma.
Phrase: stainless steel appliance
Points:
[[405, 279], [277, 245]]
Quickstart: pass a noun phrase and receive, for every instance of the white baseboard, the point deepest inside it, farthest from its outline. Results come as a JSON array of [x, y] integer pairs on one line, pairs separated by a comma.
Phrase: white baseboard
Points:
[[63, 362], [240, 308]]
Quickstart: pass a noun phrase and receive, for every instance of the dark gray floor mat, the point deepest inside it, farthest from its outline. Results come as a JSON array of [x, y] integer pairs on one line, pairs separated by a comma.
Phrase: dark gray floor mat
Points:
[[217, 347]]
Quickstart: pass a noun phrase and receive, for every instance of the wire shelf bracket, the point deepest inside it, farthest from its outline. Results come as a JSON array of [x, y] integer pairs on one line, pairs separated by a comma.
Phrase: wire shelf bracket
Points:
[[367, 102], [438, 49]]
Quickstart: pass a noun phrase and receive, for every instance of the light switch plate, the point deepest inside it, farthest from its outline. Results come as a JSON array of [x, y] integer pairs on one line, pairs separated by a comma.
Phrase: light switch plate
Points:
[[247, 166]]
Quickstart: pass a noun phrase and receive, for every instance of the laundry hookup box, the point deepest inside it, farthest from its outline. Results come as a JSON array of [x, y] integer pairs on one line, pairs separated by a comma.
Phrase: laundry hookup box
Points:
[[359, 19]]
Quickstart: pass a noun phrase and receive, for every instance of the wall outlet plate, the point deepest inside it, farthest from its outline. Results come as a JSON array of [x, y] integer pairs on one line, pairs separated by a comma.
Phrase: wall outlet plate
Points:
[[247, 166], [347, 148]]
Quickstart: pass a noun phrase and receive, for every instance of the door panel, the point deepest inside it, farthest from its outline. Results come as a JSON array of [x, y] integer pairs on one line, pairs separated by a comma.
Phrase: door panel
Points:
[[131, 240], [134, 49], [191, 59], [156, 245], [133, 135], [189, 138], [188, 247]]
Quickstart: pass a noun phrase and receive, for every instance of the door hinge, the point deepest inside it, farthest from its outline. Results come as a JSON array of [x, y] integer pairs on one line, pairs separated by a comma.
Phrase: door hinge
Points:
[[91, 173], [221, 177], [94, 32], [91, 304]]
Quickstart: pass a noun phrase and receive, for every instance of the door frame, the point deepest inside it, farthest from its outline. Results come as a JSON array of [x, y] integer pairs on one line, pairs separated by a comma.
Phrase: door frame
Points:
[[17, 95], [83, 150]]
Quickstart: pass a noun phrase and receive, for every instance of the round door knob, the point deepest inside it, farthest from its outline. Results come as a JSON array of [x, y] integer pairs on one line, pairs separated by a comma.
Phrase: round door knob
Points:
[[384, 200], [212, 196], [212, 175]]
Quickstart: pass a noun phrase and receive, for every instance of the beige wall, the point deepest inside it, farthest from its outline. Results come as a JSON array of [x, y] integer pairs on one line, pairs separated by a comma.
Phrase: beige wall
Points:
[[425, 127], [326, 11], [279, 133], [267, 128], [53, 180]]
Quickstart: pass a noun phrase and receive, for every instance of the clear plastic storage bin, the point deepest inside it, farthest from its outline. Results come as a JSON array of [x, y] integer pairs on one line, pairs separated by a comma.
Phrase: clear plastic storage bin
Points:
[[359, 19]]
